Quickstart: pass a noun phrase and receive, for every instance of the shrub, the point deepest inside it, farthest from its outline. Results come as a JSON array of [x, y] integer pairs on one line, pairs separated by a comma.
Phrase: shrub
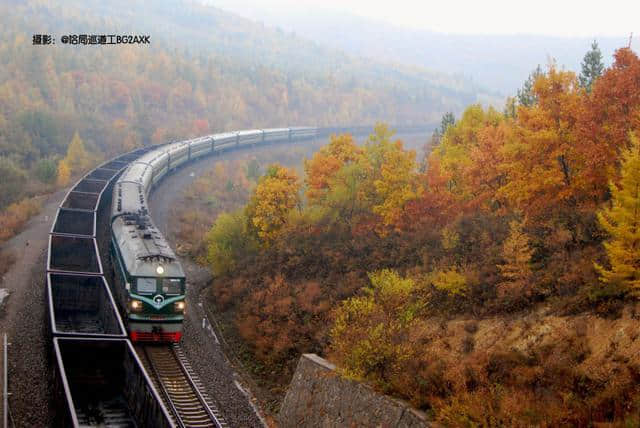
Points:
[[46, 170], [16, 215]]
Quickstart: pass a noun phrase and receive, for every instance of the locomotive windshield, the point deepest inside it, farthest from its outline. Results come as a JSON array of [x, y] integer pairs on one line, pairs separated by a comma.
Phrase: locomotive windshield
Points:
[[172, 286], [146, 285]]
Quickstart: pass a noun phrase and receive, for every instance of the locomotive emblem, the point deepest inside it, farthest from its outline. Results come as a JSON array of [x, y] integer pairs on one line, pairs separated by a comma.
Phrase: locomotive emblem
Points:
[[159, 300]]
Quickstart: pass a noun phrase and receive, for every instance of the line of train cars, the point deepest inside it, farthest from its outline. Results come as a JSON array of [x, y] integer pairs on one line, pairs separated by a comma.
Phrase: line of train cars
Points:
[[99, 379], [150, 282]]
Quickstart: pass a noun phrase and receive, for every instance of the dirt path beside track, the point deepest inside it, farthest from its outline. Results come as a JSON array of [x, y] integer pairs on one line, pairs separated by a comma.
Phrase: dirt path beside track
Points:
[[23, 318]]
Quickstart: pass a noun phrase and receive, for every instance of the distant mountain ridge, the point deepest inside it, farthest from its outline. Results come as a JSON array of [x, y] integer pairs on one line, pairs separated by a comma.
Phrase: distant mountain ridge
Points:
[[494, 62]]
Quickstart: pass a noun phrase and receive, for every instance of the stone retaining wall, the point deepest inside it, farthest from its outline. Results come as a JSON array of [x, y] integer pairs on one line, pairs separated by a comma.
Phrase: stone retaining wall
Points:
[[319, 397]]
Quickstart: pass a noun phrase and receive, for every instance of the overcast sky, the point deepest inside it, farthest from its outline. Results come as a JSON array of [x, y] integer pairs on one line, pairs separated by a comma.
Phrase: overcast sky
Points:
[[549, 17]]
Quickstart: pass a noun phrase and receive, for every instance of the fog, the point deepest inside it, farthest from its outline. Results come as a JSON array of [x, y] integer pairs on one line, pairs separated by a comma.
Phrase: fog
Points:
[[496, 46]]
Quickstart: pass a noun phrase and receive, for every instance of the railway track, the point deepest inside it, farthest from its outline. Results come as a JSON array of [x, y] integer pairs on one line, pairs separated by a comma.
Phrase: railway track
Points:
[[180, 388]]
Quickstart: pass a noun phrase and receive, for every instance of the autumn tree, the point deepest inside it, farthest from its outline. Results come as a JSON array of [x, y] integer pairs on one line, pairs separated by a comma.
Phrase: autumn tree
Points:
[[282, 318], [349, 181], [454, 153], [64, 173], [323, 166], [437, 205], [516, 271], [396, 185], [276, 194], [607, 117], [622, 222], [592, 67], [369, 336], [345, 201], [76, 161], [378, 143], [542, 159], [450, 281], [485, 174]]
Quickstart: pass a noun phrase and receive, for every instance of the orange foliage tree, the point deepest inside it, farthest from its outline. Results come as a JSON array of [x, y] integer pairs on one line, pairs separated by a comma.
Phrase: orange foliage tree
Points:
[[542, 162], [609, 114], [321, 169]]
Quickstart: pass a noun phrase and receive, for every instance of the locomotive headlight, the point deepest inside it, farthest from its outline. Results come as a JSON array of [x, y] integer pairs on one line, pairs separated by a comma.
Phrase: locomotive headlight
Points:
[[180, 306], [159, 270], [136, 305]]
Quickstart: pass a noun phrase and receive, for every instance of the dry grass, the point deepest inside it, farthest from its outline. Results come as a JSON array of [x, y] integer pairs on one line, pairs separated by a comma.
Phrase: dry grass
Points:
[[538, 370], [16, 215], [12, 220]]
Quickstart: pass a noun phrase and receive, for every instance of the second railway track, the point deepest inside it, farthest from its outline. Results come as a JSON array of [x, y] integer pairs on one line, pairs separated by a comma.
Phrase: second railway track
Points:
[[181, 389]]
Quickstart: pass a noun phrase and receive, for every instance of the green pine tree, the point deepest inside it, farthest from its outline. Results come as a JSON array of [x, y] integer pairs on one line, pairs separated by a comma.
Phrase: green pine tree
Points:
[[447, 120], [525, 96], [592, 67]]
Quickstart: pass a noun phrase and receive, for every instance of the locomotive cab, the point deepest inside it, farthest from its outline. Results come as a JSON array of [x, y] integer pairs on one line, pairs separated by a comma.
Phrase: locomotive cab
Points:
[[155, 308], [149, 280]]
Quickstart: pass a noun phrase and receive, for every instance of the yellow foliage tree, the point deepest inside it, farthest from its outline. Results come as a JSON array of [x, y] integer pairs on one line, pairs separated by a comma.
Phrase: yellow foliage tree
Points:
[[450, 237], [396, 185], [77, 158], [370, 337], [64, 173], [622, 222], [454, 153], [274, 197], [516, 269], [451, 281]]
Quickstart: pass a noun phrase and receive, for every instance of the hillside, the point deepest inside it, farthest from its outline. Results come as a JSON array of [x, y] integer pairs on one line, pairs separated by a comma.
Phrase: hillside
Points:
[[494, 282], [205, 70]]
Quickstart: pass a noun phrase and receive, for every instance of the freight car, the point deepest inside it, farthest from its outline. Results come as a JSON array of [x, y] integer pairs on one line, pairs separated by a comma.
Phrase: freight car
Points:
[[99, 381]]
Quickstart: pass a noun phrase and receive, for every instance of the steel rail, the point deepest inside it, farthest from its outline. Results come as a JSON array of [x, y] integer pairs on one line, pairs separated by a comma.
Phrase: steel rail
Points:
[[179, 411]]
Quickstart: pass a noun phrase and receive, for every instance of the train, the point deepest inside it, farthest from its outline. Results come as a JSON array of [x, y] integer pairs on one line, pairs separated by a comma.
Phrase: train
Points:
[[150, 283]]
